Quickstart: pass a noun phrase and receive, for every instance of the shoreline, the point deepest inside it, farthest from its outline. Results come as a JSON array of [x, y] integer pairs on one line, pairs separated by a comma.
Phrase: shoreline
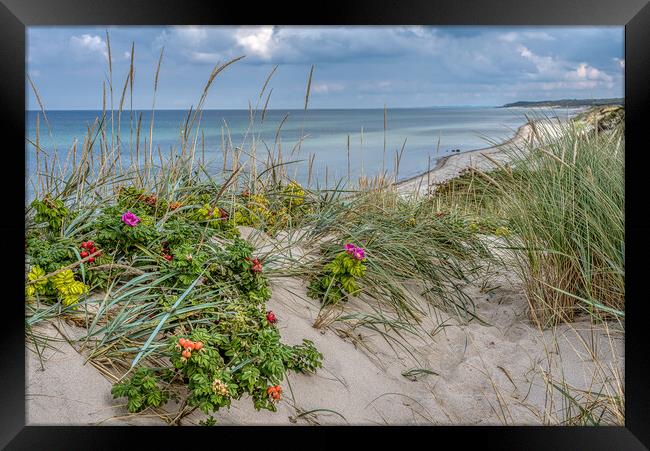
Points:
[[449, 167]]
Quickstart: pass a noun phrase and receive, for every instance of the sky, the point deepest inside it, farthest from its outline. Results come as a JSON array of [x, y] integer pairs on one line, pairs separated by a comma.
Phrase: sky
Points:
[[354, 67]]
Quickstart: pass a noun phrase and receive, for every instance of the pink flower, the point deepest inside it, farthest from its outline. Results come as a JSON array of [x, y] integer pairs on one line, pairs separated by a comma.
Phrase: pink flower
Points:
[[130, 219], [359, 253], [349, 248], [257, 266]]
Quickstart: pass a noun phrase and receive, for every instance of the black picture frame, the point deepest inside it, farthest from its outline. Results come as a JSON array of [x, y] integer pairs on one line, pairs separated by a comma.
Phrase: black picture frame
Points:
[[15, 15]]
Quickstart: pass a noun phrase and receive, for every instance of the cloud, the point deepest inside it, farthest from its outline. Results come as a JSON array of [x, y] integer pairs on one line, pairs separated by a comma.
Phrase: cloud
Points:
[[257, 41], [586, 72], [191, 35], [399, 66], [514, 36], [555, 73], [89, 43], [205, 57], [326, 88], [298, 45]]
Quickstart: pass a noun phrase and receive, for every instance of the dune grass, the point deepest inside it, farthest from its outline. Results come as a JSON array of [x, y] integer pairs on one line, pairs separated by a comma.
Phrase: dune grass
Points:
[[567, 214], [561, 205]]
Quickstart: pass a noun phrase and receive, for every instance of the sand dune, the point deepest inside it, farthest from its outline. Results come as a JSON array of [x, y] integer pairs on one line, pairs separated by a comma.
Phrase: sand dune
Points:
[[489, 373]]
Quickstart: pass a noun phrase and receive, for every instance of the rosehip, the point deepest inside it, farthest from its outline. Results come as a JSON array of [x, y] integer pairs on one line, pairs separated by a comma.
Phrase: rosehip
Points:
[[91, 259], [93, 250], [187, 354], [182, 342], [189, 345], [198, 345], [84, 254]]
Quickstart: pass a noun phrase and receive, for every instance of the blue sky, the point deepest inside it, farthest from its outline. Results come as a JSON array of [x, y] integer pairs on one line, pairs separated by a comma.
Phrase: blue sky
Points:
[[355, 67]]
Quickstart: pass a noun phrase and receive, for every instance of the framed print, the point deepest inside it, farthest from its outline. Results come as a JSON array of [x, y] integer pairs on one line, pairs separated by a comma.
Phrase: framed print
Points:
[[384, 214]]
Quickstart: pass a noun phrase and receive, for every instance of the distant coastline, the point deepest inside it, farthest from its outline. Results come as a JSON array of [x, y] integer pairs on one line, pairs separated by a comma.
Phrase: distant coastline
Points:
[[451, 166], [564, 103]]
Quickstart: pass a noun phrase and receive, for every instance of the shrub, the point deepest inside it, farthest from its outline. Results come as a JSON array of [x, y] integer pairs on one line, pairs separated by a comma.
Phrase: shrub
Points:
[[338, 279], [51, 212], [142, 389]]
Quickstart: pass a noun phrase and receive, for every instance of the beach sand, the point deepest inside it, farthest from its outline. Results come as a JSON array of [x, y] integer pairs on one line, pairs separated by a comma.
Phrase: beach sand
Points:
[[451, 166], [489, 373]]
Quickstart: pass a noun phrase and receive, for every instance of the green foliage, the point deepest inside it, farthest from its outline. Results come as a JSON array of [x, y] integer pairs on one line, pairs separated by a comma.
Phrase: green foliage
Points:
[[141, 202], [231, 365], [51, 212], [337, 280], [241, 354], [217, 219], [210, 421], [50, 252], [234, 265], [275, 209], [293, 195], [188, 261], [113, 234], [142, 390], [305, 358]]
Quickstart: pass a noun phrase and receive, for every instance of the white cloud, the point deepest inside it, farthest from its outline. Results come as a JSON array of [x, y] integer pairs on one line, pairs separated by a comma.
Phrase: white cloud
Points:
[[205, 57], [620, 62], [281, 44], [89, 43], [556, 74], [127, 55], [326, 88], [514, 36], [257, 41], [586, 72], [191, 35]]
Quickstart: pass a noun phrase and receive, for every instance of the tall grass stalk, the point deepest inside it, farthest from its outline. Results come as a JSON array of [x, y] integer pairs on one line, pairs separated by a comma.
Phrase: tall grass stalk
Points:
[[567, 214]]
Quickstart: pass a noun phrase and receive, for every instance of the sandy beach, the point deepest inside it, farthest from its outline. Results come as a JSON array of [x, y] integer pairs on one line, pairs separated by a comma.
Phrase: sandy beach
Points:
[[451, 166]]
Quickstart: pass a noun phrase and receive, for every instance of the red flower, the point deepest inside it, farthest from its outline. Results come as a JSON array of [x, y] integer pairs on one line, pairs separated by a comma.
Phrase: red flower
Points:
[[270, 317], [257, 266], [275, 392]]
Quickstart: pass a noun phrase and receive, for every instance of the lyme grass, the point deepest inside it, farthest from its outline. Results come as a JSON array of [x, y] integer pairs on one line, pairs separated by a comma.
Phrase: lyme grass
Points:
[[566, 210]]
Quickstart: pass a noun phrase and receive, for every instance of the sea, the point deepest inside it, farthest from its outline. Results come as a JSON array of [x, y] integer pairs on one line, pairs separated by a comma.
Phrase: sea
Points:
[[341, 143]]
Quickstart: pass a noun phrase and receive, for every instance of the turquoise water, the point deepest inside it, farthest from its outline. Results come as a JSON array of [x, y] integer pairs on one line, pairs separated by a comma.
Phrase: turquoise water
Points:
[[425, 133]]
